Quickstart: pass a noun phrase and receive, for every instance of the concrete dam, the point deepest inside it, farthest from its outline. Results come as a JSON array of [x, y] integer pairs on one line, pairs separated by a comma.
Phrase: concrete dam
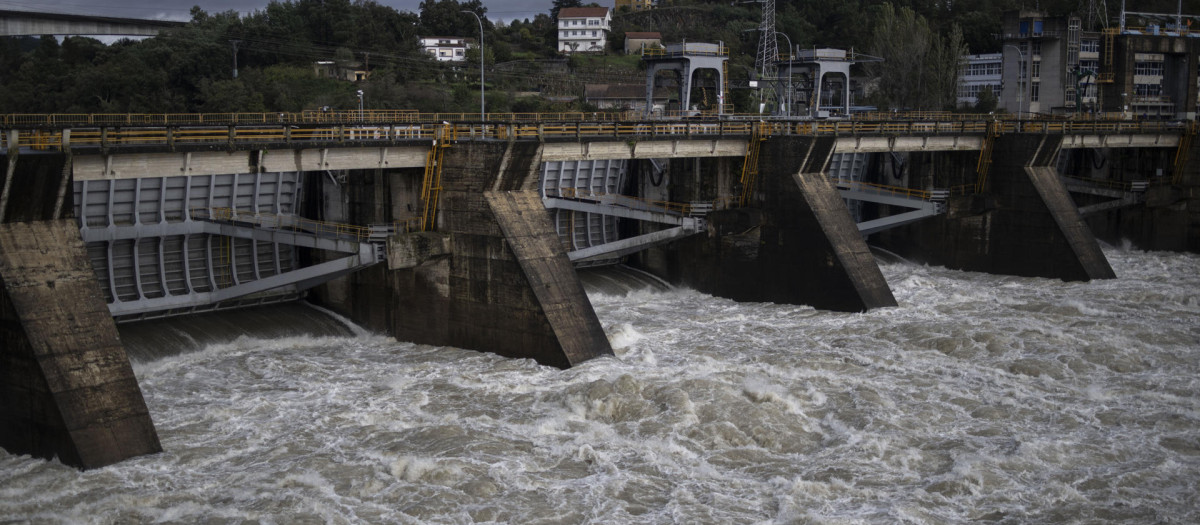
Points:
[[468, 233]]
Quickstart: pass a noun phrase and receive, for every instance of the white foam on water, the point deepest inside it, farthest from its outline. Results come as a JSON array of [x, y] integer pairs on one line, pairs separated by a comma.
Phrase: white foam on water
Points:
[[979, 398]]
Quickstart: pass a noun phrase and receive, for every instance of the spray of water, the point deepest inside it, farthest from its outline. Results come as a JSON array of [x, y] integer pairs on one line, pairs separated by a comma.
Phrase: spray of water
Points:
[[989, 398]]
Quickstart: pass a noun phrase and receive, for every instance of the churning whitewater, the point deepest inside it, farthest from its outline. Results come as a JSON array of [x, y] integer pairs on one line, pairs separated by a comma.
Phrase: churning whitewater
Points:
[[980, 398]]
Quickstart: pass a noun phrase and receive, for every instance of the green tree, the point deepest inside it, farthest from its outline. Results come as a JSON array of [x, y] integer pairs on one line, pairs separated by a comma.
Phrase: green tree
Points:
[[919, 68], [986, 101], [560, 4], [445, 18]]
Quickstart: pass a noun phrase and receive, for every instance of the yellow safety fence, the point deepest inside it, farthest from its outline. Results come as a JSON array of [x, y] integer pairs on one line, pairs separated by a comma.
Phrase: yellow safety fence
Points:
[[258, 133], [898, 191]]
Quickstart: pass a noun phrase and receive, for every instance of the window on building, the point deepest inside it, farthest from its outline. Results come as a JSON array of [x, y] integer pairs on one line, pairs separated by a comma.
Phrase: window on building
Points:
[[1037, 47], [1024, 27], [1089, 46], [1022, 69], [1148, 68], [595, 33], [1034, 91], [1037, 28], [1148, 90], [1037, 70]]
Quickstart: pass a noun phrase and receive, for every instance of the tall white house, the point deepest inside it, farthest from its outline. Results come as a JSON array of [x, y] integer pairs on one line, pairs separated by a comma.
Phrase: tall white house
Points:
[[583, 29], [446, 48], [977, 73]]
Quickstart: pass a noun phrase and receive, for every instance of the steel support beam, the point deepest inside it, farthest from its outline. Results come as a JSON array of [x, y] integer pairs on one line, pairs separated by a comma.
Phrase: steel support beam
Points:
[[651, 214], [892, 221], [298, 280], [631, 245]]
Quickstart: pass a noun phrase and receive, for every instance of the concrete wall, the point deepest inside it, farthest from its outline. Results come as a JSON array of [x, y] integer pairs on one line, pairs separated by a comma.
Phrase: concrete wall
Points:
[[66, 387], [507, 286], [796, 243], [1024, 223]]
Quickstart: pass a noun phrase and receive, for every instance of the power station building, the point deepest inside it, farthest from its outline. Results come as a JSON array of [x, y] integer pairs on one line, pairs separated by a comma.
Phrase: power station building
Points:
[[1052, 65]]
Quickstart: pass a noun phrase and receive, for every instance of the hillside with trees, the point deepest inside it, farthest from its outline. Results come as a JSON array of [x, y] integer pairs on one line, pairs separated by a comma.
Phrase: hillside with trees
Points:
[[190, 69]]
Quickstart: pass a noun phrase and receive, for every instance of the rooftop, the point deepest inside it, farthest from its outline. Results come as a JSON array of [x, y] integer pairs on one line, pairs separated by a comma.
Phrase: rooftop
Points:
[[582, 12]]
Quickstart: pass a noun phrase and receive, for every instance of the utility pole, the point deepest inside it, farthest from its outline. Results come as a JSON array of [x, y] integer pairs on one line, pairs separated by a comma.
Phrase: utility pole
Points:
[[482, 111], [235, 44]]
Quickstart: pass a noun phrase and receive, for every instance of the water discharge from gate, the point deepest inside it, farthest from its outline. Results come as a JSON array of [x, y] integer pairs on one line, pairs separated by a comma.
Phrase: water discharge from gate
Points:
[[980, 397]]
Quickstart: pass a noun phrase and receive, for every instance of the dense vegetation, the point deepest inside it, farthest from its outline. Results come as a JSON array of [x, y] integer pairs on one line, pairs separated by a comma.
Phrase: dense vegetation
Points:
[[190, 69]]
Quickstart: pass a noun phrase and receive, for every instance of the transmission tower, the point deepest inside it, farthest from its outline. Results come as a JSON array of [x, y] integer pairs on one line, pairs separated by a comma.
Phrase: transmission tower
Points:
[[768, 48], [1094, 10]]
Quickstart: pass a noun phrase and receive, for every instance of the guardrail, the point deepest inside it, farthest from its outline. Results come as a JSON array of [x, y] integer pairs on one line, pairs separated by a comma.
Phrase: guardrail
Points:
[[231, 135], [883, 189], [283, 222]]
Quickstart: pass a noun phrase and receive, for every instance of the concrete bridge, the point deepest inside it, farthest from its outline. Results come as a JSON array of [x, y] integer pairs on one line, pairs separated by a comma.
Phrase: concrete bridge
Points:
[[30, 23], [450, 230]]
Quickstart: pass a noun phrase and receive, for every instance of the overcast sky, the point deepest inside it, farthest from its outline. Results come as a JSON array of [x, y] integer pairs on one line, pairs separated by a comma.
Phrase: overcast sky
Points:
[[179, 9]]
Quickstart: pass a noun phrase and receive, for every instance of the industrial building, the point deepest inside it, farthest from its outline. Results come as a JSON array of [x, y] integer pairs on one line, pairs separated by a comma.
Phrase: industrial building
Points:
[[1052, 65]]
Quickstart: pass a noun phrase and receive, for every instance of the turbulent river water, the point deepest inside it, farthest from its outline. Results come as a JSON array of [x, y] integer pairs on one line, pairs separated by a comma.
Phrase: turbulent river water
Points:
[[980, 398]]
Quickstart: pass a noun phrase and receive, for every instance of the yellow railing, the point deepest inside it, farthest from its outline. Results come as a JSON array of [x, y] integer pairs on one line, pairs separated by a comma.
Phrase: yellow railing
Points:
[[898, 191], [431, 183], [750, 165], [545, 126]]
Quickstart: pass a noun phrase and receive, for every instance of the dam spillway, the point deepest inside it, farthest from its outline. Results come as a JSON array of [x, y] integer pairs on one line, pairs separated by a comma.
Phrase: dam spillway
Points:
[[182, 221]]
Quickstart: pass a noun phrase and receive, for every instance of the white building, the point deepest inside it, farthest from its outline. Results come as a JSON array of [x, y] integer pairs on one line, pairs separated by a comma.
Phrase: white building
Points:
[[446, 48], [583, 29], [976, 73]]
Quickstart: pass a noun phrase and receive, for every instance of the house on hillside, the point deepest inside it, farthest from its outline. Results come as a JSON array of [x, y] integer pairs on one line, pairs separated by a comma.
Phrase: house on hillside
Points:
[[636, 41], [634, 5], [583, 29], [350, 72], [446, 48]]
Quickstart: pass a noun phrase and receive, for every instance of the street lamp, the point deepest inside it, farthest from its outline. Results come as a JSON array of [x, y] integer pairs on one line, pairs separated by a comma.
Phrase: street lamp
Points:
[[788, 98], [1020, 54], [360, 105], [482, 112]]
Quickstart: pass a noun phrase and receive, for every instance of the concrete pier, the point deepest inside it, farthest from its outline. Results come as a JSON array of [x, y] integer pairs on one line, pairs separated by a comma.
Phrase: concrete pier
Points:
[[506, 285], [67, 389], [1024, 223], [795, 244]]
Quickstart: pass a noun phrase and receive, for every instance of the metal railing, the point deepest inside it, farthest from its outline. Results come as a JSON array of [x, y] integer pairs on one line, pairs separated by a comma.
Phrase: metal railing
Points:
[[1118, 185], [415, 126], [283, 222], [883, 189]]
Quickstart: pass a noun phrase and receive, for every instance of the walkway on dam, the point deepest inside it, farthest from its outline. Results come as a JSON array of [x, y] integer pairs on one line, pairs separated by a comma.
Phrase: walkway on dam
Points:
[[938, 132]]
